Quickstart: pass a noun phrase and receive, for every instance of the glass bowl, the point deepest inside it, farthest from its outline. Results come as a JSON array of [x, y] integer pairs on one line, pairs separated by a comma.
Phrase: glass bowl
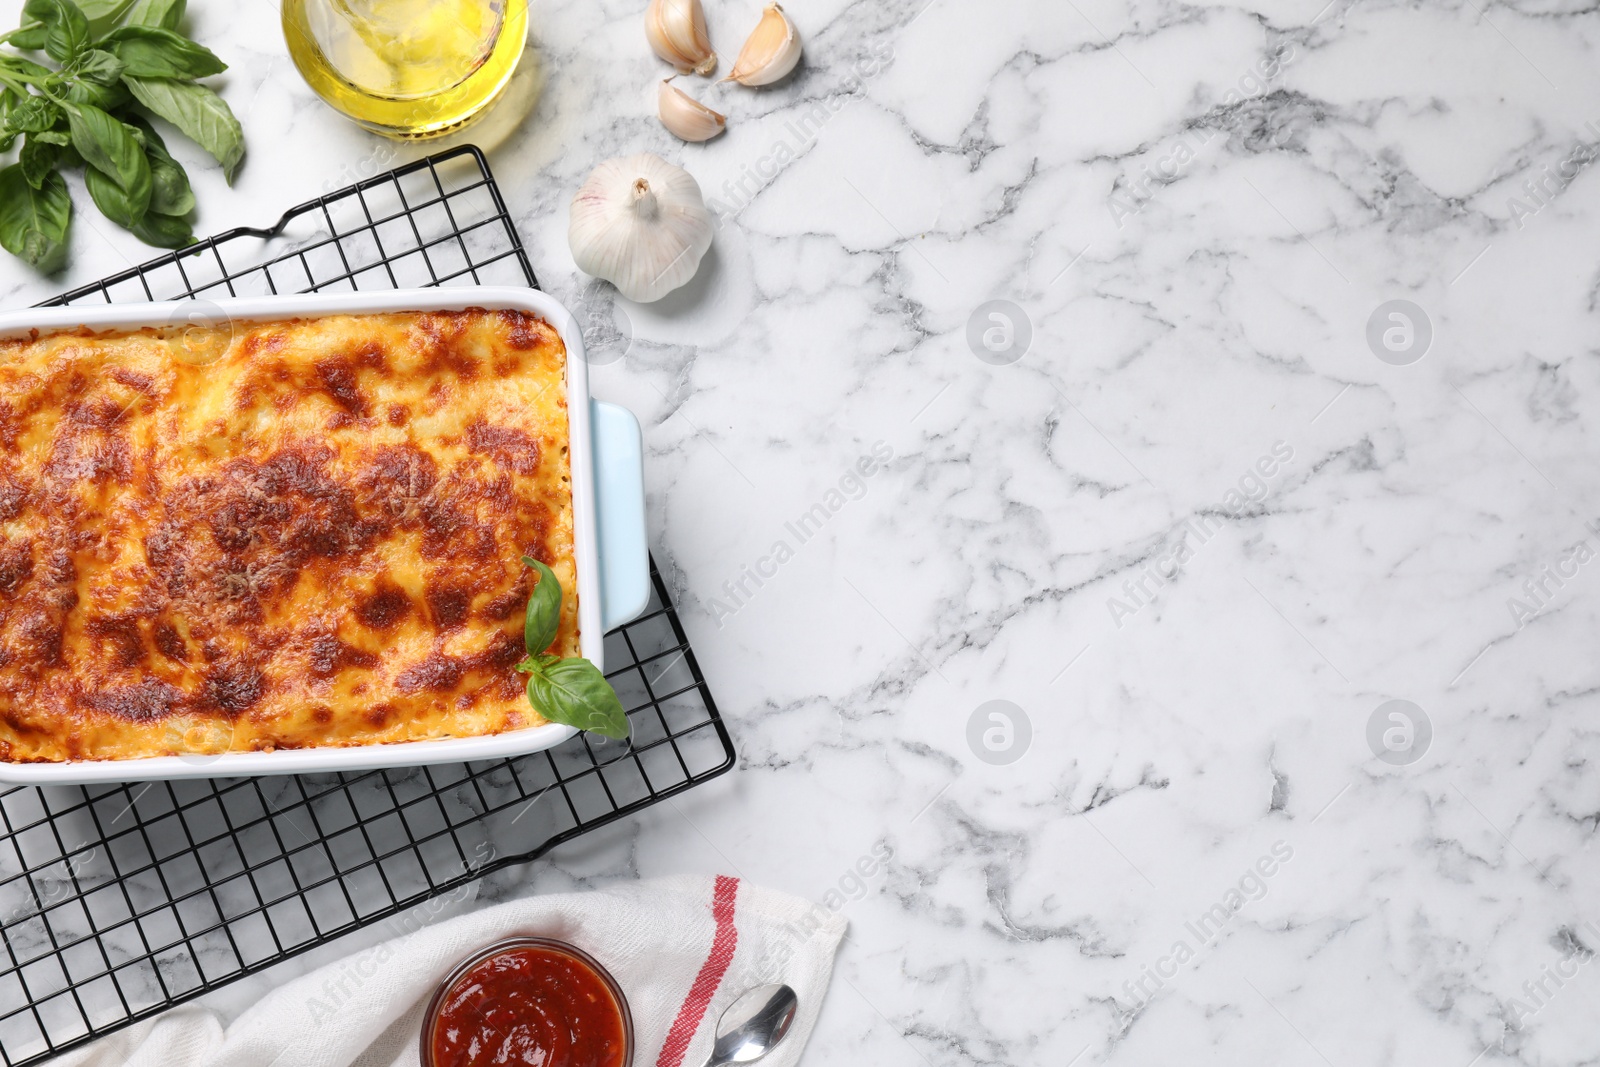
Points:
[[430, 1018]]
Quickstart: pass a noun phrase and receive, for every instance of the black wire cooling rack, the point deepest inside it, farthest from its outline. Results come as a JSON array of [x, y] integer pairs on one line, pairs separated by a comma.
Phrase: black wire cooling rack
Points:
[[119, 901]]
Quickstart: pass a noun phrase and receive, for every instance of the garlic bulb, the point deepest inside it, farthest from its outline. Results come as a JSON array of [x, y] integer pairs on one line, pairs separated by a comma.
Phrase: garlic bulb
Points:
[[641, 224], [677, 32], [686, 116], [771, 51]]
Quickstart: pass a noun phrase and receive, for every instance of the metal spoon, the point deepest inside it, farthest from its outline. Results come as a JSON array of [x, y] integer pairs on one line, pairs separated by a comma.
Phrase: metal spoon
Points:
[[753, 1025]]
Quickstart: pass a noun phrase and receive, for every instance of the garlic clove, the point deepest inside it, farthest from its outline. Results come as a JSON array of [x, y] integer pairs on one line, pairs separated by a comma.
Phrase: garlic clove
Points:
[[687, 117], [771, 51], [677, 33], [641, 224]]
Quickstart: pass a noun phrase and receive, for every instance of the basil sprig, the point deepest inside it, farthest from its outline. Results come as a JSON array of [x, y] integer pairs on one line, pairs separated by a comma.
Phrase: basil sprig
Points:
[[119, 62], [569, 690]]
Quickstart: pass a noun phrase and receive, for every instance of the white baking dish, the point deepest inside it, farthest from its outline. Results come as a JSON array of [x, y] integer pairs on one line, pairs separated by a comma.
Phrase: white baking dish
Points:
[[607, 505]]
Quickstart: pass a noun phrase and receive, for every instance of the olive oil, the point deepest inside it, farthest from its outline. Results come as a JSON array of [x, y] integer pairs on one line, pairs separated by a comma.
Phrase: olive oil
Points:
[[407, 68]]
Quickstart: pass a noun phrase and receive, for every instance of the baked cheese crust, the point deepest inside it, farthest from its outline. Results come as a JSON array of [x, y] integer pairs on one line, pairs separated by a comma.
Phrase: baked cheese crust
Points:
[[277, 534]]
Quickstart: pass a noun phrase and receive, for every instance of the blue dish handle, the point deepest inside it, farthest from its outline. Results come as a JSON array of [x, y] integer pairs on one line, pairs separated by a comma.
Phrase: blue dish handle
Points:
[[619, 499]]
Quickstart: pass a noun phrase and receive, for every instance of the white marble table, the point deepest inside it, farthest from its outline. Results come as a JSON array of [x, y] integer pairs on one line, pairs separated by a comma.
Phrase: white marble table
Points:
[[1188, 522]]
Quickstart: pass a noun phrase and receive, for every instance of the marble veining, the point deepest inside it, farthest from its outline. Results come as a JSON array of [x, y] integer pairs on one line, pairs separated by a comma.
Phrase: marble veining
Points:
[[1196, 512]]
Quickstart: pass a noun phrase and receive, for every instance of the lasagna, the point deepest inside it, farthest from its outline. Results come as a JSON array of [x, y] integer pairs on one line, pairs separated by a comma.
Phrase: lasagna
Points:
[[277, 534]]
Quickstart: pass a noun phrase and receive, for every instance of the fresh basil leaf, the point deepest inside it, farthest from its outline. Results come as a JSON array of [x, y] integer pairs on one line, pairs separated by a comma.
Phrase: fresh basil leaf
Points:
[[33, 115], [170, 193], [40, 157], [33, 222], [103, 14], [169, 188], [151, 227], [98, 65], [8, 103], [544, 610], [30, 37], [164, 13], [574, 692], [164, 231], [108, 145], [201, 114], [66, 30], [105, 97], [55, 137], [37, 160], [24, 66], [153, 52], [112, 200]]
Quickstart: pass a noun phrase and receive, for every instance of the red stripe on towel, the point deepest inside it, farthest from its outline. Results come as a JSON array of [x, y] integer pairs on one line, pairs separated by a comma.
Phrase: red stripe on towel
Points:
[[693, 1011]]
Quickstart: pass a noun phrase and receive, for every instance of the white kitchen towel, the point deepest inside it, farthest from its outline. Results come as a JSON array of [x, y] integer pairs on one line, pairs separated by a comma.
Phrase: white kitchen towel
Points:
[[681, 948]]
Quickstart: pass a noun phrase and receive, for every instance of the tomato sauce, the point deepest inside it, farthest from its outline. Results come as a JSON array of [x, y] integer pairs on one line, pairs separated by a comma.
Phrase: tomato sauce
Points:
[[529, 1006]]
